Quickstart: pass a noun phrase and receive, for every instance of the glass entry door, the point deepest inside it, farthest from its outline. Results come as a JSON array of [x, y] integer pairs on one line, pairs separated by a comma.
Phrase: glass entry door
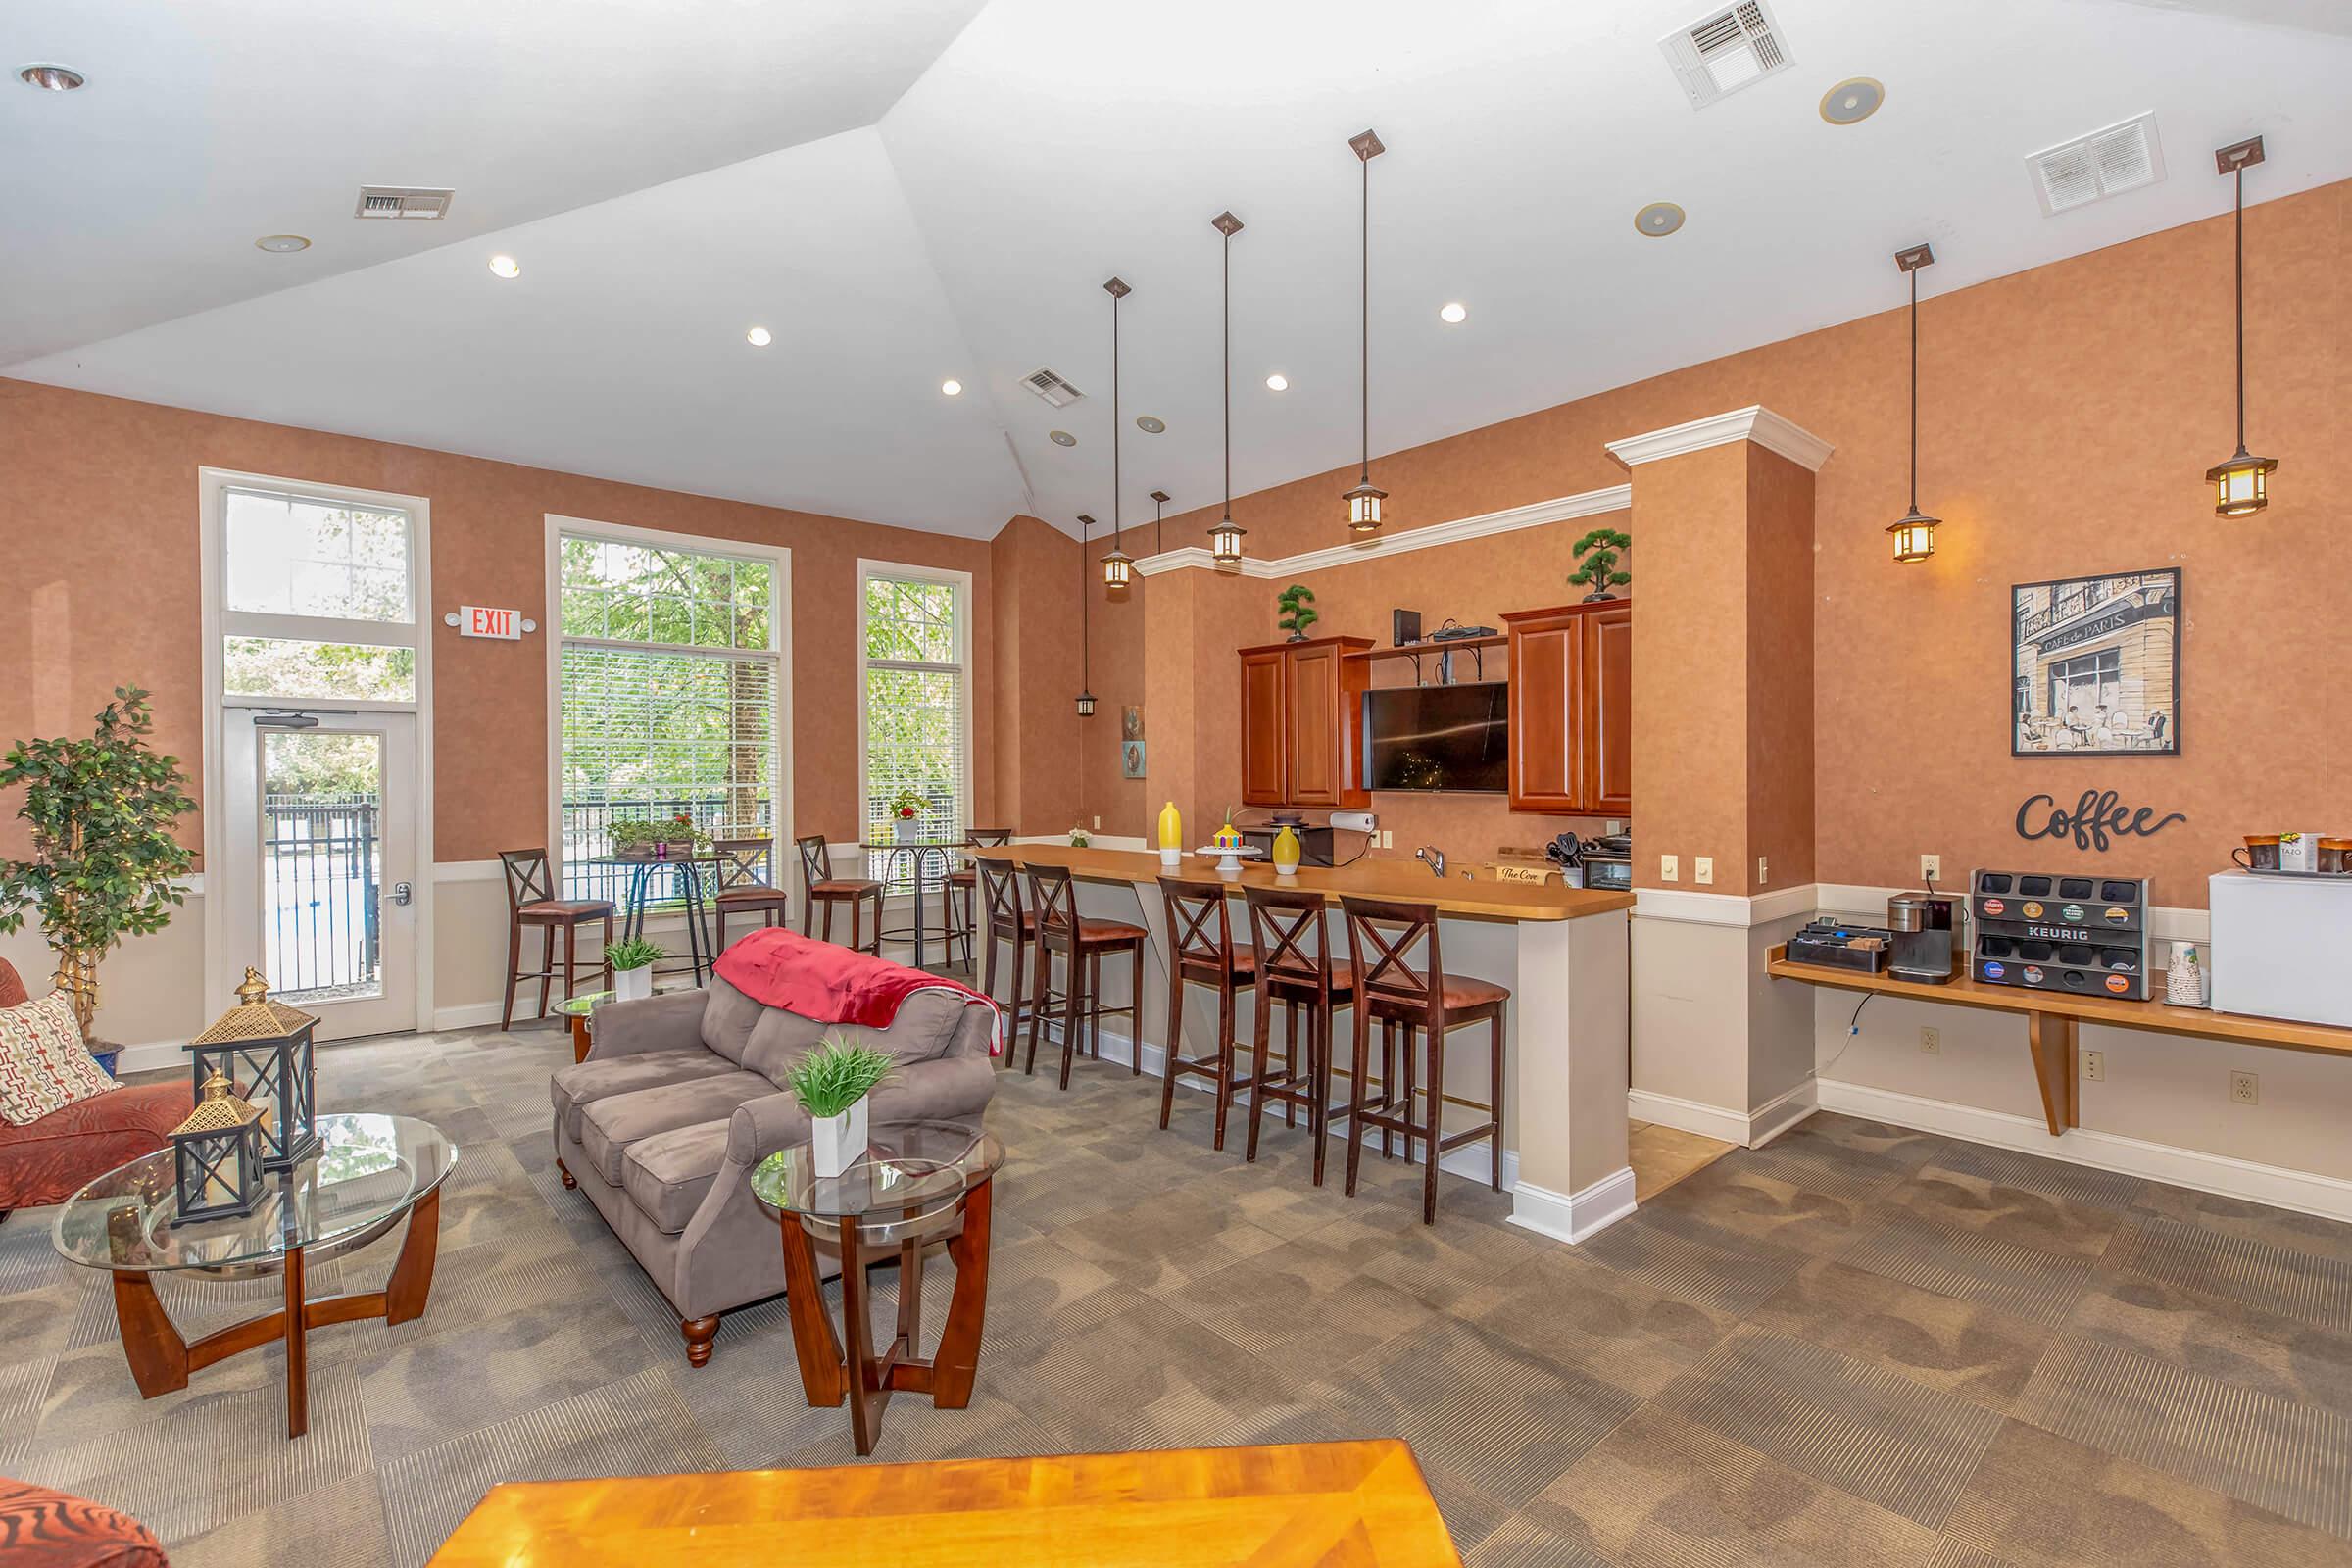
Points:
[[322, 873]]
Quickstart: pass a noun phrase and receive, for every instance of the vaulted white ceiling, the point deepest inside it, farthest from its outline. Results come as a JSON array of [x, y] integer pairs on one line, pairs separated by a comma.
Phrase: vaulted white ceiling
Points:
[[904, 191]]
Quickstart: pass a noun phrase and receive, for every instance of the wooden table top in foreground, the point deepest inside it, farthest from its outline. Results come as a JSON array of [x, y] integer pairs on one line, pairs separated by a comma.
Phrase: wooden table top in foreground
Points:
[[1337, 1503], [1482, 899]]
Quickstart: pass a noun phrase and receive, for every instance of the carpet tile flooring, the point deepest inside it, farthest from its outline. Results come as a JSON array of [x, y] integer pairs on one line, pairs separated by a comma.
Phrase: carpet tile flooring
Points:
[[1858, 1346]]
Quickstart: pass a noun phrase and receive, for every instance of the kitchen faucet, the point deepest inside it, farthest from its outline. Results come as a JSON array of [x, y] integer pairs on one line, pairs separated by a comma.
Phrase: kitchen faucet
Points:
[[1434, 858]]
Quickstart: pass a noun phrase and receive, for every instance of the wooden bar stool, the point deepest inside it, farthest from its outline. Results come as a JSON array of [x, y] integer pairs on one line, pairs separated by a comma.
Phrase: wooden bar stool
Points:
[[1382, 937], [744, 877], [1081, 944], [958, 923], [1201, 953], [1295, 969], [818, 885], [999, 892], [531, 902]]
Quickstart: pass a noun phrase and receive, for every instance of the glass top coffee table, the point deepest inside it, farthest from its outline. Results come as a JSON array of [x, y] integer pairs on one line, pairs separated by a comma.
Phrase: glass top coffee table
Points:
[[916, 1180], [369, 1172]]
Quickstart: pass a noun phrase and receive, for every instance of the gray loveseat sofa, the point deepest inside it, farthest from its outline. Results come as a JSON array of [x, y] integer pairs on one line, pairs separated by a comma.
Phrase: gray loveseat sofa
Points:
[[679, 1100]]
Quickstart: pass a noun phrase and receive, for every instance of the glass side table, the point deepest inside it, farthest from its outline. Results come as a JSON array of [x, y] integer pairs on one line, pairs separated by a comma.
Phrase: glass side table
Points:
[[369, 1172], [578, 1009], [916, 1179]]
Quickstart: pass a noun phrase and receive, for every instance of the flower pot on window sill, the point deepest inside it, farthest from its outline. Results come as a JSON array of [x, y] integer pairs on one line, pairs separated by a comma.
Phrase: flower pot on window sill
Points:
[[905, 829], [633, 985], [836, 1142]]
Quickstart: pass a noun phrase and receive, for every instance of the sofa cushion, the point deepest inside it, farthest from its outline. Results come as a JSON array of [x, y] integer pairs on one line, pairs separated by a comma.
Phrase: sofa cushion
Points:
[[40, 1528], [608, 1126], [586, 1082], [728, 1018], [48, 1160], [44, 1067], [668, 1175], [922, 1031]]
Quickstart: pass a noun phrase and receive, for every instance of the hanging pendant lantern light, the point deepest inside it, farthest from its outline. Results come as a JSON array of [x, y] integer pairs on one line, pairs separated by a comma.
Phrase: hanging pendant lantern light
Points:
[[1119, 567], [1225, 539], [1914, 533], [1086, 687], [2242, 485], [1364, 502]]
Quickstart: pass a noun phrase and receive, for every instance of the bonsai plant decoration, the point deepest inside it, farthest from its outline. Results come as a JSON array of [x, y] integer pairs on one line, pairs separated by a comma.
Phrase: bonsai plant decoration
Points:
[[1597, 552], [101, 811], [1298, 605], [831, 1083], [905, 808], [632, 963]]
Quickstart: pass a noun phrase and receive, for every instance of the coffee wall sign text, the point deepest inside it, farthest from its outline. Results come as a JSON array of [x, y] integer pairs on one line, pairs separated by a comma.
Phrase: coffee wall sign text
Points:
[[2094, 819]]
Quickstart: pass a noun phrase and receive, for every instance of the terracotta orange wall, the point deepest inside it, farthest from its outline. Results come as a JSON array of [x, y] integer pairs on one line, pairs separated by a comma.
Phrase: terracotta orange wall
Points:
[[1781, 743], [98, 524], [2068, 414]]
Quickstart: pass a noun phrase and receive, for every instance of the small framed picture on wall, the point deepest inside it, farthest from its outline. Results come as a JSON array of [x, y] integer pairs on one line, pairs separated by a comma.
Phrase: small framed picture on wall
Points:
[[2095, 665]]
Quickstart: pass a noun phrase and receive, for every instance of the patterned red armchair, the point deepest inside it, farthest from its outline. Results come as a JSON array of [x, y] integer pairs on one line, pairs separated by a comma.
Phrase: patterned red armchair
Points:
[[44, 1529], [46, 1161]]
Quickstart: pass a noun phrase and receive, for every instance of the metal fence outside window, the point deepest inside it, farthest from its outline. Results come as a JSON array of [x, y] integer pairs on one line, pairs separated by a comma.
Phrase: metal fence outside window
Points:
[[321, 863], [588, 831]]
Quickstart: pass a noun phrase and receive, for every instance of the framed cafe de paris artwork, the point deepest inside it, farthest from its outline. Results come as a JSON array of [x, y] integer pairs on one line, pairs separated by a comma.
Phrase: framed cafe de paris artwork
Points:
[[2095, 665]]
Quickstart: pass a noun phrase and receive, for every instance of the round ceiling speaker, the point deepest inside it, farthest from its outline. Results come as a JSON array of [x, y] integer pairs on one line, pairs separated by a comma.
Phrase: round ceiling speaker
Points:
[[1151, 423], [1852, 101], [1658, 220], [1062, 438], [283, 244]]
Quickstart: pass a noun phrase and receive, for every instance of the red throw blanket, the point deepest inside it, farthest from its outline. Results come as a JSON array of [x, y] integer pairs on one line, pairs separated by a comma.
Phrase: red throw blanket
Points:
[[833, 984]]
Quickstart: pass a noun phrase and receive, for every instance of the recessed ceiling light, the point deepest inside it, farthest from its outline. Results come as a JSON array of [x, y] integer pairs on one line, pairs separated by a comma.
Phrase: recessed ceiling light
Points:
[[1658, 220], [1278, 382], [1453, 313], [51, 78], [281, 244], [1852, 101], [505, 266], [951, 388], [759, 337], [1062, 438], [1151, 423]]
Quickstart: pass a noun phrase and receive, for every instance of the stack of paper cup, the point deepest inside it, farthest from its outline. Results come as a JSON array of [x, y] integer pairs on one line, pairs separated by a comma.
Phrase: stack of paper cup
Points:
[[2187, 982]]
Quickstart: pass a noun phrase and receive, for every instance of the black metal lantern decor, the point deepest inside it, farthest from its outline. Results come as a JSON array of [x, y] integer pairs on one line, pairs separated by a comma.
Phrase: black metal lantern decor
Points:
[[263, 1048], [216, 1155]]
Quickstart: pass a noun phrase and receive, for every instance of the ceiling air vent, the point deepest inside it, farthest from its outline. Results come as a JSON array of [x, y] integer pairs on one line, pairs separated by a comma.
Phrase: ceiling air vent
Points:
[[2090, 168], [1730, 49], [1052, 388], [402, 201]]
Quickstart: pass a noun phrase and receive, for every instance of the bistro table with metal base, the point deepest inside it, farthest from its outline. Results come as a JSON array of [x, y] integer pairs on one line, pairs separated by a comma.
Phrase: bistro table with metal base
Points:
[[698, 880], [906, 1194], [369, 1172]]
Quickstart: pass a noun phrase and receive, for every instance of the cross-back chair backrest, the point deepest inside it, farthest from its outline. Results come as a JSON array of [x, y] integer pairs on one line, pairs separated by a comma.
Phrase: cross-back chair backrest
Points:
[[742, 863], [1053, 896], [528, 878], [1294, 948], [987, 837], [816, 861], [999, 879], [1200, 925], [1383, 937]]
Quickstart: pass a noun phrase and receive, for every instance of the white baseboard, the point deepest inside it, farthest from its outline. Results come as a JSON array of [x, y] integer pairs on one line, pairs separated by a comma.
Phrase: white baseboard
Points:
[[1690, 1115], [151, 1055], [472, 1015], [1573, 1217], [1781, 1112], [2307, 1193]]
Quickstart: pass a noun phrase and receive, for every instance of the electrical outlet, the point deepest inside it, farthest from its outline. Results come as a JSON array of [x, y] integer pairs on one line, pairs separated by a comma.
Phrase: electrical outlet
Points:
[[1702, 870], [1930, 867], [1387, 838], [1763, 871], [2094, 1066], [2245, 1089], [1930, 1040], [1098, 824], [1670, 868], [1613, 826]]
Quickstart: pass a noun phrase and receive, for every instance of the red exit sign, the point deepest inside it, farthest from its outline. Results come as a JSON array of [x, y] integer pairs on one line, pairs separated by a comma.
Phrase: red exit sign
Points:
[[479, 620]]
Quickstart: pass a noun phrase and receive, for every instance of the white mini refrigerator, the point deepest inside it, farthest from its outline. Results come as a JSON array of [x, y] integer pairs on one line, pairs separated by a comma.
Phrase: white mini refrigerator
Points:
[[2281, 947]]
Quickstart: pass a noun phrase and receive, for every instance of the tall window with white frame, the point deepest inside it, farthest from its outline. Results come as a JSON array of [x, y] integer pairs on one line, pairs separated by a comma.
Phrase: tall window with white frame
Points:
[[914, 644], [668, 677]]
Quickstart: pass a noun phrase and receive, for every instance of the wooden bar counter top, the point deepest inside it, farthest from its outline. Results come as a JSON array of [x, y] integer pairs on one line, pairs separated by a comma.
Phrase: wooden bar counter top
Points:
[[1482, 900]]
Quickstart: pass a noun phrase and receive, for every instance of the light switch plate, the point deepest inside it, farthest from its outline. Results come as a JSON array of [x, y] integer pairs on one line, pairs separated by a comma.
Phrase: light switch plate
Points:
[[1702, 870], [1670, 868]]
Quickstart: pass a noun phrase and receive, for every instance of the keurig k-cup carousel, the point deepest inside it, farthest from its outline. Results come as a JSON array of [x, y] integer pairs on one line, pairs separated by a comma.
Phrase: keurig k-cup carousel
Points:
[[2083, 934]]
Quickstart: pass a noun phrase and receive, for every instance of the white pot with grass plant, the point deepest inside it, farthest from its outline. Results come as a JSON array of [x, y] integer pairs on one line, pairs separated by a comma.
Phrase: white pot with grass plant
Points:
[[831, 1083], [632, 968]]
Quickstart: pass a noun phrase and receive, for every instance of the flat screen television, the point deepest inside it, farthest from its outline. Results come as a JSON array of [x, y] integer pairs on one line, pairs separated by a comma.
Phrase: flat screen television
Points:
[[1439, 737]]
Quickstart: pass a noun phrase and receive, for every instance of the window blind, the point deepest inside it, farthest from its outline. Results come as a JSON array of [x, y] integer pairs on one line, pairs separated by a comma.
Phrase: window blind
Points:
[[915, 693]]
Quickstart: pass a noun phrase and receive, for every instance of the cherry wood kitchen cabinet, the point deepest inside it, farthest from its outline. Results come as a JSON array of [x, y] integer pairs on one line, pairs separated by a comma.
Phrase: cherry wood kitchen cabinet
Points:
[[1571, 709], [1302, 723]]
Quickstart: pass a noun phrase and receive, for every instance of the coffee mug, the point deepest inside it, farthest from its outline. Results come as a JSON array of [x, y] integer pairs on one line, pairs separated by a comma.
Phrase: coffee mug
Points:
[[2335, 854], [2261, 852]]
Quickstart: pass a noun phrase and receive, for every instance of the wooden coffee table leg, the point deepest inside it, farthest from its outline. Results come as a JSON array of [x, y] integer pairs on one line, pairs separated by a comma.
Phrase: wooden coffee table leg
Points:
[[813, 1341], [869, 1395], [579, 1038], [298, 1361], [158, 1355], [959, 1359], [412, 1271]]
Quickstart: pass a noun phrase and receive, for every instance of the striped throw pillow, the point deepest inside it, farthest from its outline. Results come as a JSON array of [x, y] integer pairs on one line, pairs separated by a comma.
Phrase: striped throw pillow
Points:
[[44, 1067]]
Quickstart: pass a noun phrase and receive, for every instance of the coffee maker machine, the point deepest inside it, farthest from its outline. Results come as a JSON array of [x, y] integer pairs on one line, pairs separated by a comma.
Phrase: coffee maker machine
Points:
[[1921, 923]]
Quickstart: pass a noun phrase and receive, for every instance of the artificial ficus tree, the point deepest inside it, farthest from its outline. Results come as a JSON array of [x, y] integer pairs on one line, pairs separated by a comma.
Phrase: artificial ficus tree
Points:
[[101, 811], [1597, 554]]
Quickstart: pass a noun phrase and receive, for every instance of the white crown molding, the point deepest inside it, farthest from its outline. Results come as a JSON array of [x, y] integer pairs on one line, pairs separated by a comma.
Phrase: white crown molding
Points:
[[1754, 422], [1535, 515]]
